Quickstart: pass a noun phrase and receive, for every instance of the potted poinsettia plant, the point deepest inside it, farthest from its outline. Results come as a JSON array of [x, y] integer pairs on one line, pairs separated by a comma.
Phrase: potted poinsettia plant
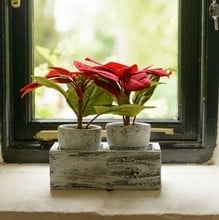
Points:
[[130, 89], [81, 95]]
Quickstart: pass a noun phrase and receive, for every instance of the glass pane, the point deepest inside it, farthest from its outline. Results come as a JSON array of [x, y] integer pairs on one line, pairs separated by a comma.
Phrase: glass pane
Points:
[[137, 31]]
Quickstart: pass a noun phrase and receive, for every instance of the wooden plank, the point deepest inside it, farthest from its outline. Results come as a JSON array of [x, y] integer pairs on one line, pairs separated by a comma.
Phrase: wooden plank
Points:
[[105, 169]]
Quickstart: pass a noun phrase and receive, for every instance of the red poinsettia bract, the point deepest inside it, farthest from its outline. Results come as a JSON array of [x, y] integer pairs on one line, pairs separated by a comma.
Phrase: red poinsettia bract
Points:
[[118, 78]]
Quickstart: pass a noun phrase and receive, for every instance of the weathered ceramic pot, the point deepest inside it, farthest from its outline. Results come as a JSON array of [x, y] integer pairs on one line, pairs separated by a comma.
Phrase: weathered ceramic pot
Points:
[[122, 137], [70, 137]]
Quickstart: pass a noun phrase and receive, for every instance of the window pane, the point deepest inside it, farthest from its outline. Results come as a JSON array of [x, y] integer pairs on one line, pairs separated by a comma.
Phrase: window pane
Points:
[[137, 31]]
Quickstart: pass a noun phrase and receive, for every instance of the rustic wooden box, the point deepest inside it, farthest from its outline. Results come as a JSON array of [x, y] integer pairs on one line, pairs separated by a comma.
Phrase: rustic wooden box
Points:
[[106, 169]]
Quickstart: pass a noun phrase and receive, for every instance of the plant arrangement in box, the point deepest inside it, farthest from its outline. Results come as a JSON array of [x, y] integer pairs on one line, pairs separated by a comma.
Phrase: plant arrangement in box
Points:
[[130, 89]]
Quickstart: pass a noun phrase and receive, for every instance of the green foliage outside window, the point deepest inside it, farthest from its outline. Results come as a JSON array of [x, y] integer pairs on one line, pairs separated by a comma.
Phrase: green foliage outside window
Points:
[[136, 31]]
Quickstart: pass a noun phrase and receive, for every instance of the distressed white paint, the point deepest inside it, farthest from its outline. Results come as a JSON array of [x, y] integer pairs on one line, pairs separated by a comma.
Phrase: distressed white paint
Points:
[[105, 169]]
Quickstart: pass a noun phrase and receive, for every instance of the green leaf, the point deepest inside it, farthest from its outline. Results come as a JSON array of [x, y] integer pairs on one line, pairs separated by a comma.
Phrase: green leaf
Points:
[[122, 110], [141, 97], [72, 99], [50, 84], [94, 96]]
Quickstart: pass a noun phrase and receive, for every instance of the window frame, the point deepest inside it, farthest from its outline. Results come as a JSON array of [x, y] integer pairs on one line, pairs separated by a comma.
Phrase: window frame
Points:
[[195, 135]]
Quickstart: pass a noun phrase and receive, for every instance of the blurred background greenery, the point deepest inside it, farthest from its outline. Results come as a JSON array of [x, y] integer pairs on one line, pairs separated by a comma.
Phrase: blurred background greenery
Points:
[[136, 31]]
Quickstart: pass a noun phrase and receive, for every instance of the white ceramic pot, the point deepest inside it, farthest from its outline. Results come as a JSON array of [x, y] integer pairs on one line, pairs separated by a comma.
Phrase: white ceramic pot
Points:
[[70, 137], [128, 137]]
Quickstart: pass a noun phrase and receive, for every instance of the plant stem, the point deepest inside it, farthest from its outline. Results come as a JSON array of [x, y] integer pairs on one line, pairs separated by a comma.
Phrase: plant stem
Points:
[[126, 120], [133, 122], [88, 124], [80, 114]]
